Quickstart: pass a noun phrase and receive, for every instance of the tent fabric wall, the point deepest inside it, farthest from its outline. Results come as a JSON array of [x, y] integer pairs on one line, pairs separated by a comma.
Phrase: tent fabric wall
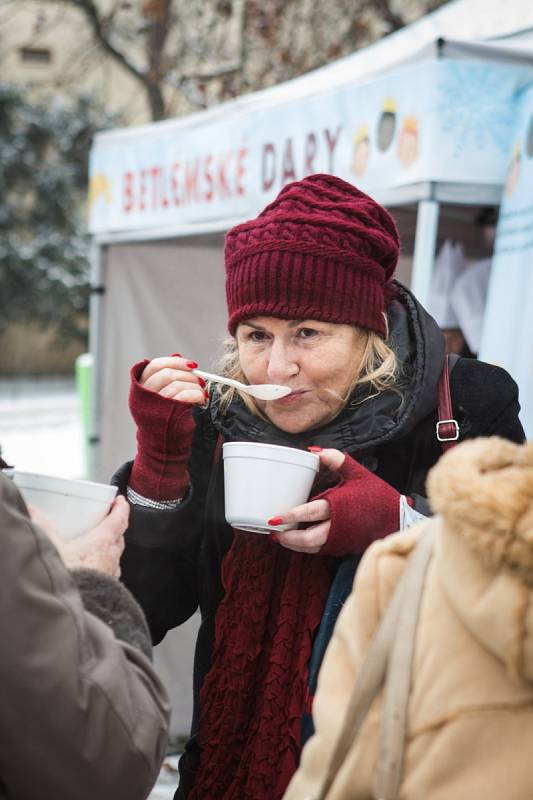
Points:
[[174, 662], [160, 298]]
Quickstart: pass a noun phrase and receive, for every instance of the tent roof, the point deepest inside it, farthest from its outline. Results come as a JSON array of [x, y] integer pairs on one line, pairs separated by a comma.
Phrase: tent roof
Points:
[[505, 25], [141, 177]]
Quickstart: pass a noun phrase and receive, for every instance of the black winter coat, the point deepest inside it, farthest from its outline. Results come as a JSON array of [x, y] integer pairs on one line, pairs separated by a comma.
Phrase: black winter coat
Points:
[[173, 558]]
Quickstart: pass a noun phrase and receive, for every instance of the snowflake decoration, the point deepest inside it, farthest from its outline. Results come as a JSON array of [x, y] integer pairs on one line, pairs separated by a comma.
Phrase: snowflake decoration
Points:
[[476, 106]]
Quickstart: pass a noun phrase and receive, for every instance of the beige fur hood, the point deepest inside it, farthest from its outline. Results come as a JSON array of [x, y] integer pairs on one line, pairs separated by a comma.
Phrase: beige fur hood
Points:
[[483, 492]]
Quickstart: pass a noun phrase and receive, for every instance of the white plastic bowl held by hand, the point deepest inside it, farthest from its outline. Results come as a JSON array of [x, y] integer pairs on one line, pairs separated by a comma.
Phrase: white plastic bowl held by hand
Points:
[[71, 506], [262, 481]]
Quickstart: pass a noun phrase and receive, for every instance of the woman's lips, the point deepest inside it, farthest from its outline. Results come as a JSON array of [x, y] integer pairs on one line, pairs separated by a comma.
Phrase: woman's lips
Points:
[[291, 398]]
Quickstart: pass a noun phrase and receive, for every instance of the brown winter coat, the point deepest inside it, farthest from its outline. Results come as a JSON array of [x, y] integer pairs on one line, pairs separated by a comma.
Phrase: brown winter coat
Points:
[[470, 717], [83, 715]]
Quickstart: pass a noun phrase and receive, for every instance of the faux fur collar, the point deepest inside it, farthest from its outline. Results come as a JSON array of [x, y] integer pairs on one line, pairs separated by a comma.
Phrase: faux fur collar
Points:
[[483, 492]]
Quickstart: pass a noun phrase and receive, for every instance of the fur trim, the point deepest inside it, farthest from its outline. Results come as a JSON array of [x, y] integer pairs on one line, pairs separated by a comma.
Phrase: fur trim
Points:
[[483, 489], [112, 603]]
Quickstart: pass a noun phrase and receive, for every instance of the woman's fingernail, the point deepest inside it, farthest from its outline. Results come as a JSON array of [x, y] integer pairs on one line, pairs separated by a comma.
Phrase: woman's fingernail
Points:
[[176, 354], [206, 394], [191, 364], [275, 521], [201, 382], [314, 449]]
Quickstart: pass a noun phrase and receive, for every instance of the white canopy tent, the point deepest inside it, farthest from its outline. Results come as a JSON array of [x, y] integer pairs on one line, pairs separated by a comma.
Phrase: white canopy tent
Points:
[[420, 119], [442, 91]]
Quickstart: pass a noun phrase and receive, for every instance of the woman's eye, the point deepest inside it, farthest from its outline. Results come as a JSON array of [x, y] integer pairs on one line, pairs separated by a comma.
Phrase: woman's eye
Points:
[[257, 336], [307, 333]]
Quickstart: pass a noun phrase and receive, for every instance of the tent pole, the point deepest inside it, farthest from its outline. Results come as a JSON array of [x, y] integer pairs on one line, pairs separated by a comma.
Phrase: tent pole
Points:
[[427, 223], [97, 255]]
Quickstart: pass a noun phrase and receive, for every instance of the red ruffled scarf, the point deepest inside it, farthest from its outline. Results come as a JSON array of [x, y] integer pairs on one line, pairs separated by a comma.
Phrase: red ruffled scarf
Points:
[[254, 695]]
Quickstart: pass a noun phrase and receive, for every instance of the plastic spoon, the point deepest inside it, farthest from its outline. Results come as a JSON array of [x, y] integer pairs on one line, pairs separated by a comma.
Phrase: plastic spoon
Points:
[[262, 391]]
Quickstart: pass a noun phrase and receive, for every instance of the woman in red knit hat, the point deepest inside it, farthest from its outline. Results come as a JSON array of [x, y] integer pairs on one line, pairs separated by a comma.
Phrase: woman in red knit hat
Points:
[[312, 305]]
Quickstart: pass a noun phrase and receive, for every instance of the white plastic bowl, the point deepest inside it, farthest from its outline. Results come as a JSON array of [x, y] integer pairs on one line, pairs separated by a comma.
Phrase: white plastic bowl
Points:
[[71, 506], [262, 481]]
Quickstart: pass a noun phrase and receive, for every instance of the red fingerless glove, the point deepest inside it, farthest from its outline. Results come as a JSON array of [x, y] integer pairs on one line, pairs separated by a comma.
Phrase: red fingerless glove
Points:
[[363, 508], [165, 429]]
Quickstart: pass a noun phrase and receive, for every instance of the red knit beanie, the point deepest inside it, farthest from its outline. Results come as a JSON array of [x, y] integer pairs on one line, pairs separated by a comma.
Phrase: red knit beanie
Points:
[[321, 250]]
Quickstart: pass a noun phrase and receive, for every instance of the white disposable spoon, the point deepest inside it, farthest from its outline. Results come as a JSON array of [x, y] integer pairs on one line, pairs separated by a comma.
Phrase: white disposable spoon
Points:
[[262, 391]]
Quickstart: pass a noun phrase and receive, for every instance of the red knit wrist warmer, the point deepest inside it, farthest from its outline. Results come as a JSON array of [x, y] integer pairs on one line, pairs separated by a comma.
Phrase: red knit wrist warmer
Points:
[[165, 429], [363, 508]]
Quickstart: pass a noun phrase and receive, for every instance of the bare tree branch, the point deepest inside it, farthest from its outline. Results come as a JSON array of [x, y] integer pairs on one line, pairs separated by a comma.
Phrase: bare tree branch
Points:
[[101, 26], [394, 21], [189, 54], [160, 20]]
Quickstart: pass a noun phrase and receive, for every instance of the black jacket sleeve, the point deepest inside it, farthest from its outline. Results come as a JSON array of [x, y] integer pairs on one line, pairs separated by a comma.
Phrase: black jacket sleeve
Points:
[[160, 561], [485, 401]]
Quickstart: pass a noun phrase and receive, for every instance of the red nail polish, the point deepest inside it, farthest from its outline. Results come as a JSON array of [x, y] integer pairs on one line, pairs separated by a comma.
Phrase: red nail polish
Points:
[[314, 449], [274, 537], [275, 521], [206, 394], [201, 382], [191, 364], [176, 354]]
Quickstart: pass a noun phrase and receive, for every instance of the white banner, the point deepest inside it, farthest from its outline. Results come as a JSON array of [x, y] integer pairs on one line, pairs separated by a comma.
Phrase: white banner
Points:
[[435, 120], [508, 324]]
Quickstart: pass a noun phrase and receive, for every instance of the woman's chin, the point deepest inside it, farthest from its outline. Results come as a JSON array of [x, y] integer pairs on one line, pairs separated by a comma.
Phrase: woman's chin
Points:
[[296, 421]]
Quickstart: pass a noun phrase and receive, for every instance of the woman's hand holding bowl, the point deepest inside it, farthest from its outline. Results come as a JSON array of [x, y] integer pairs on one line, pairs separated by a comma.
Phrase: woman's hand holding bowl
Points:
[[316, 515], [172, 376]]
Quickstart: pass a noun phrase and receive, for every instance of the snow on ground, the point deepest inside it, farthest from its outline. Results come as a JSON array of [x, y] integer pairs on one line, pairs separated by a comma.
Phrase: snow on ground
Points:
[[168, 780], [40, 426]]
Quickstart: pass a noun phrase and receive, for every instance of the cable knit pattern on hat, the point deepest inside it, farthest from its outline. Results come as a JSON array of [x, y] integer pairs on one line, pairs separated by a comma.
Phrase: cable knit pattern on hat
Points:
[[321, 250]]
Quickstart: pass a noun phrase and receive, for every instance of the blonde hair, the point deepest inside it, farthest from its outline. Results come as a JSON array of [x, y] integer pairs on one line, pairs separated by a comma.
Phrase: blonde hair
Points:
[[378, 369]]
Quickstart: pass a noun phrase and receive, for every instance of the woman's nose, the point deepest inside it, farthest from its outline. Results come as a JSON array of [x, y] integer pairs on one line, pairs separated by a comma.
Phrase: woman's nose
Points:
[[281, 363]]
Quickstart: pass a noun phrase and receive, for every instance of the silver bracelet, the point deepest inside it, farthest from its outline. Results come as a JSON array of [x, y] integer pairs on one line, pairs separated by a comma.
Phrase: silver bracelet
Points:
[[162, 505]]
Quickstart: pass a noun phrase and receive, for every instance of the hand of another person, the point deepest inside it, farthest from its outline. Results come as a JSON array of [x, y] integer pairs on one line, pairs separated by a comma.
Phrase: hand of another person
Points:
[[162, 395], [45, 524], [316, 514], [99, 548]]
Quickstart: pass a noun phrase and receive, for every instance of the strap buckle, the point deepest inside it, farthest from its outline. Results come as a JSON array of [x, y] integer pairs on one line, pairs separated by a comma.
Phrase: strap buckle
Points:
[[448, 438]]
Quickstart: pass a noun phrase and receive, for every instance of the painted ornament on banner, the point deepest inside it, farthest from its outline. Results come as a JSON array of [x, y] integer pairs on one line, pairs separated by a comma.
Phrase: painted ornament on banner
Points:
[[408, 144], [387, 125], [361, 151], [389, 130], [100, 191]]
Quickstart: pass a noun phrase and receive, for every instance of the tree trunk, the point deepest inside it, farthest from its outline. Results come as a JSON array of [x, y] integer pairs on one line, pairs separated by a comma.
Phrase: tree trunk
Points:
[[156, 101]]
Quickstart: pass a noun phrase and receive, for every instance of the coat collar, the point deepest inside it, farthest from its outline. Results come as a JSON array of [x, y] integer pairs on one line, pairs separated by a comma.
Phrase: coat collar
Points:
[[482, 492]]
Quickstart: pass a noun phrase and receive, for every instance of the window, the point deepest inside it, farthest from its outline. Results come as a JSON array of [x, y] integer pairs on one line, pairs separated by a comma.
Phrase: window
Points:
[[35, 55]]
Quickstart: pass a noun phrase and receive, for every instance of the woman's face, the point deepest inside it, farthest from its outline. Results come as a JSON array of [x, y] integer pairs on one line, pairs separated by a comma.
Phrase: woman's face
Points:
[[317, 360]]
